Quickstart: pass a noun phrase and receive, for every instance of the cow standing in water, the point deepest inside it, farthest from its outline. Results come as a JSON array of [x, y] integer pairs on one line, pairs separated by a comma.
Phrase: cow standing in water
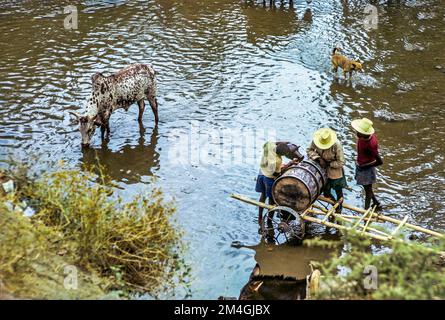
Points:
[[135, 83]]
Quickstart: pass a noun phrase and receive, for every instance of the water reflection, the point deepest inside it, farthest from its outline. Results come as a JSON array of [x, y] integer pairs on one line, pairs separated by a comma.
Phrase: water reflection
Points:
[[129, 163], [291, 261], [307, 17], [261, 21], [281, 271], [339, 86]]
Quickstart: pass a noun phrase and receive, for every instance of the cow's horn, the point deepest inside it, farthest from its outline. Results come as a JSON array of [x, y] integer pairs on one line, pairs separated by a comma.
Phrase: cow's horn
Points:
[[257, 287]]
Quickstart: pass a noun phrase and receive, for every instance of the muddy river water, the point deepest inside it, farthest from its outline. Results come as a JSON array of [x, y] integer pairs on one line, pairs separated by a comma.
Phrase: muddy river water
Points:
[[231, 74]]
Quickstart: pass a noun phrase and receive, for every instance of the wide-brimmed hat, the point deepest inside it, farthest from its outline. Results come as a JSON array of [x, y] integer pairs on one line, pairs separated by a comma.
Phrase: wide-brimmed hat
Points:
[[363, 126], [325, 138]]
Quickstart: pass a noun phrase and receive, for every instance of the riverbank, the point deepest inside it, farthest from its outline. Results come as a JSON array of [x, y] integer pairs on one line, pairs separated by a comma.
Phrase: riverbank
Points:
[[391, 270], [64, 235]]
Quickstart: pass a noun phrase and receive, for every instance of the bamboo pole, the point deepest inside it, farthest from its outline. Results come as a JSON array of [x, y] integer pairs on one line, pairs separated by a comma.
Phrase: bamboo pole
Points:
[[251, 201], [355, 217], [383, 237], [346, 206], [369, 211], [341, 215], [387, 237], [340, 227], [399, 226], [317, 212], [368, 221], [305, 212], [346, 219], [334, 225], [318, 207], [331, 211], [388, 219]]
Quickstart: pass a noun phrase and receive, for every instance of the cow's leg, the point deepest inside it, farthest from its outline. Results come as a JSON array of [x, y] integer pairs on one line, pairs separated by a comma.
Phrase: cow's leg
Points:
[[141, 105], [107, 125], [154, 107], [102, 131]]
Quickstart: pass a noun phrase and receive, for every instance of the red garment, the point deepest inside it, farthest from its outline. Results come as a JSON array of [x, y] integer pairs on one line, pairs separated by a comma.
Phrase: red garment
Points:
[[367, 150]]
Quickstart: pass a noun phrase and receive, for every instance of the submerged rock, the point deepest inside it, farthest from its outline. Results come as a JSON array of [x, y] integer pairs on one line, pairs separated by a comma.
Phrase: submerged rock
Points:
[[426, 15], [413, 47], [440, 68], [394, 117], [405, 87], [237, 244]]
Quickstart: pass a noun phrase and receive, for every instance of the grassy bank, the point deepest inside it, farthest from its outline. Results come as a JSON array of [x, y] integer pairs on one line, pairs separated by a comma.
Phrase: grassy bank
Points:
[[83, 241], [390, 270]]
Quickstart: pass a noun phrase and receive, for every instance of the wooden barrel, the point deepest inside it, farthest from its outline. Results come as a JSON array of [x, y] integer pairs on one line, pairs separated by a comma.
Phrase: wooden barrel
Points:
[[300, 185]]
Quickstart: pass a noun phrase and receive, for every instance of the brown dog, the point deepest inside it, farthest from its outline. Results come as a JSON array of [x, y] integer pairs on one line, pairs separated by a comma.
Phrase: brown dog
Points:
[[347, 65]]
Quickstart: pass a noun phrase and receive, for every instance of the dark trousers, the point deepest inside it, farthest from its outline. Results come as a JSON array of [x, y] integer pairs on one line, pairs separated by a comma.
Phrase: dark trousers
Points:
[[369, 195], [339, 194]]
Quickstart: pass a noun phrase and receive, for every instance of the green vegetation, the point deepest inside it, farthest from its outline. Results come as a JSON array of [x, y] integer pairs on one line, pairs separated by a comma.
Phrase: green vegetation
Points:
[[404, 270], [117, 247]]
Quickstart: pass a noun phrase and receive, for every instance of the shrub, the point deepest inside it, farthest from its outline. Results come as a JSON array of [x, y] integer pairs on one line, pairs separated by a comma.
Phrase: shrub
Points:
[[405, 270], [31, 265], [135, 244]]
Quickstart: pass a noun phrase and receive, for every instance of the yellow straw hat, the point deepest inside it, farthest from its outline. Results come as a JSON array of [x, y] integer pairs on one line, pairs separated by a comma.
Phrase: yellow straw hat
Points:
[[363, 126], [325, 138]]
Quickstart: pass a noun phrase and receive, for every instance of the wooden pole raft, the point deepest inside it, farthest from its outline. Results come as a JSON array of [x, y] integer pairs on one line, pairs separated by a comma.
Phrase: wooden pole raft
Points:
[[366, 216], [387, 219]]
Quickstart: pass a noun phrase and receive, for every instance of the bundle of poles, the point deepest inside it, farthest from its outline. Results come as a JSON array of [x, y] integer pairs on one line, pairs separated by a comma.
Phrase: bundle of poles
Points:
[[361, 223]]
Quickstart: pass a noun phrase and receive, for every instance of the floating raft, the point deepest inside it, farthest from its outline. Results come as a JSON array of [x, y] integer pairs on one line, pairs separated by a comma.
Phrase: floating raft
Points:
[[357, 219]]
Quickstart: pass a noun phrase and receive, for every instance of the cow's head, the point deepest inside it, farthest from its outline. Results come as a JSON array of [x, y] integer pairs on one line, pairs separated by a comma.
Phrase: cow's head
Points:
[[87, 126]]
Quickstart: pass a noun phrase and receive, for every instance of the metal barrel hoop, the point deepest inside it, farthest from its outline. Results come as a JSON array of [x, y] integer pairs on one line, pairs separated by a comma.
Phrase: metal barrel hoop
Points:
[[307, 186], [322, 174]]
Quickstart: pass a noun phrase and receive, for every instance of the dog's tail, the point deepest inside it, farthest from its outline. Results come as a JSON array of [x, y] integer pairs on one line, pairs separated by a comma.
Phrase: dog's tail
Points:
[[335, 50]]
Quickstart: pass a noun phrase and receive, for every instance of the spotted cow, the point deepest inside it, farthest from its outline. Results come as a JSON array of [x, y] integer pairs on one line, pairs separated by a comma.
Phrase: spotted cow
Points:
[[134, 83]]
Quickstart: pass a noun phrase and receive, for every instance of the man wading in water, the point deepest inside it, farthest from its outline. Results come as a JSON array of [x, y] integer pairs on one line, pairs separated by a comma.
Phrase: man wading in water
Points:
[[368, 159], [271, 167], [328, 152]]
